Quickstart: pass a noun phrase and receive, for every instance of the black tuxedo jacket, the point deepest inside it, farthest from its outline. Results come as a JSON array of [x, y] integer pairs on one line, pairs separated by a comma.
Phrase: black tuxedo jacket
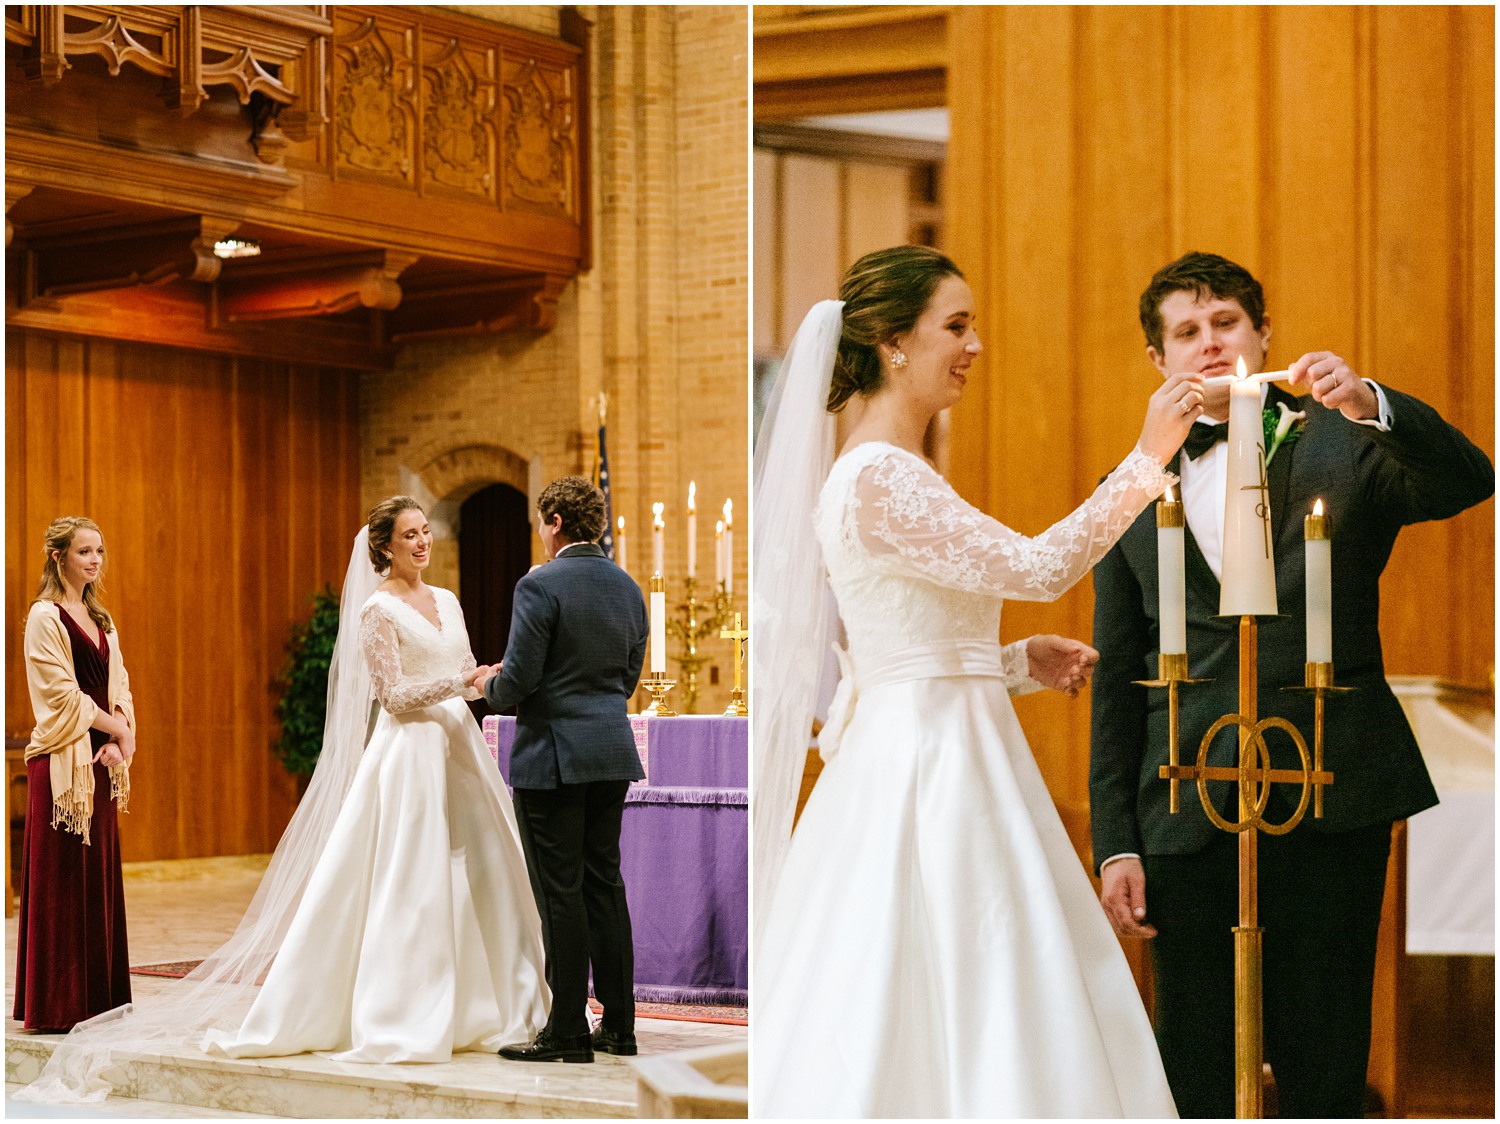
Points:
[[577, 640], [1372, 484]]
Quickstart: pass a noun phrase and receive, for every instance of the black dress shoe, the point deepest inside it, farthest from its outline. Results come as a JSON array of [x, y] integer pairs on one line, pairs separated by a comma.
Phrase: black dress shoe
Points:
[[614, 1042], [546, 1048]]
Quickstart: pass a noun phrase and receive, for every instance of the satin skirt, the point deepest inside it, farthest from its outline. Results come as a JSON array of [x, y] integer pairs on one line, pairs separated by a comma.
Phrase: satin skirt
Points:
[[935, 948], [418, 936]]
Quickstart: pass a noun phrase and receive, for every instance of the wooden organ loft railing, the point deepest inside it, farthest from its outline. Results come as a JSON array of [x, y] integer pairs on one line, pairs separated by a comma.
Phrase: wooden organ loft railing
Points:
[[406, 173]]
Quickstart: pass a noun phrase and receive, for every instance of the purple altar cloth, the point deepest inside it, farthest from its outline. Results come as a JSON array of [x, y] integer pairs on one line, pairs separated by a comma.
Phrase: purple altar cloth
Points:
[[684, 855]]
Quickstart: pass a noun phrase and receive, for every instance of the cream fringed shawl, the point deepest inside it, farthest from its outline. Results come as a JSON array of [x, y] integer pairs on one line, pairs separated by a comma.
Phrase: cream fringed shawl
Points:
[[64, 715]]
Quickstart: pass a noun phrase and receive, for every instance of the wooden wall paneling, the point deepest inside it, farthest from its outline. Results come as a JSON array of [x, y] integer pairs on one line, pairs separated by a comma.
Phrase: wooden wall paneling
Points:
[[1311, 243], [1219, 136], [18, 575], [1034, 352], [811, 237], [1474, 30], [269, 460], [975, 207], [203, 457], [241, 598], [228, 492], [874, 207], [113, 491], [767, 274], [1409, 178]]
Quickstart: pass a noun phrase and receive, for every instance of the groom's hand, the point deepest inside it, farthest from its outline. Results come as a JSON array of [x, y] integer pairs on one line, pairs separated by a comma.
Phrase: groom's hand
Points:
[[1059, 663], [1123, 895]]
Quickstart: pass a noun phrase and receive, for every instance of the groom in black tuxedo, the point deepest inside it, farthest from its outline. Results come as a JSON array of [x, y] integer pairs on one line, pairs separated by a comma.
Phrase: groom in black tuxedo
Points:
[[1379, 459], [577, 640]]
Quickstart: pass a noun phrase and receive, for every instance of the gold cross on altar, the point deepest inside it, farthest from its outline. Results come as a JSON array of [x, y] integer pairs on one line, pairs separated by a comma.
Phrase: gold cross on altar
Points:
[[739, 635]]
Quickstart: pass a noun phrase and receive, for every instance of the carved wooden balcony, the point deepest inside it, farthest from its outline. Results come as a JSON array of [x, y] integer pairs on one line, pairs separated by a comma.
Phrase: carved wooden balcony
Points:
[[451, 149]]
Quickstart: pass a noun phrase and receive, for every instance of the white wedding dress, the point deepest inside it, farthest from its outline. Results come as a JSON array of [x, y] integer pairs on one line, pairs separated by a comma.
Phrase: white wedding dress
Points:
[[934, 947], [417, 936]]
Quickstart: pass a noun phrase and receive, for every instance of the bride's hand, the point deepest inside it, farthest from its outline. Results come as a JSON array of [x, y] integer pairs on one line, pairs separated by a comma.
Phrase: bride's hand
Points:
[[1170, 413], [1059, 663], [483, 671]]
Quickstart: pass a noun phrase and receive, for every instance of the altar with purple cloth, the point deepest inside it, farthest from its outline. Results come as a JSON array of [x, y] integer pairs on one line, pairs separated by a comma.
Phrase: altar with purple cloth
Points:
[[684, 855]]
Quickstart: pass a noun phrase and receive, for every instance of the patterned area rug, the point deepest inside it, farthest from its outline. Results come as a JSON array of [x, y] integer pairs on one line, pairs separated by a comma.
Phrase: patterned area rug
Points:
[[681, 1012]]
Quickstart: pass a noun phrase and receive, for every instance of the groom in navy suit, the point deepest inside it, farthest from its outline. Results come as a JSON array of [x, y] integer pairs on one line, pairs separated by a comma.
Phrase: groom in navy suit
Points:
[[1380, 460], [577, 640]]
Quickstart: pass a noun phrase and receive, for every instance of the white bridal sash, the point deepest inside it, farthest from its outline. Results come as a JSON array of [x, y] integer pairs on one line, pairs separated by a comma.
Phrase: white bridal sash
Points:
[[936, 660]]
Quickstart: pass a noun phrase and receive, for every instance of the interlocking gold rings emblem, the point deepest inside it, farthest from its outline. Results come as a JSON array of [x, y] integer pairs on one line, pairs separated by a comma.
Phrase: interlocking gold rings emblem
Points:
[[1255, 775]]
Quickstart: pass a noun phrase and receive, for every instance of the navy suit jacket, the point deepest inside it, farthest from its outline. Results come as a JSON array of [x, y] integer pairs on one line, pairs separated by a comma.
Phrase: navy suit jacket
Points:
[[577, 640], [1372, 485]]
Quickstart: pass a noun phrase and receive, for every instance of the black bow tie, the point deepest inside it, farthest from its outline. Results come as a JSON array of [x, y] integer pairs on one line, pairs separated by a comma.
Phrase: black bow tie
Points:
[[1201, 438]]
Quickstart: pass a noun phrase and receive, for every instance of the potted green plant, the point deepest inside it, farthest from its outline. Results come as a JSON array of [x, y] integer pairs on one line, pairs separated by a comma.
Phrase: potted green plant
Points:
[[304, 677]]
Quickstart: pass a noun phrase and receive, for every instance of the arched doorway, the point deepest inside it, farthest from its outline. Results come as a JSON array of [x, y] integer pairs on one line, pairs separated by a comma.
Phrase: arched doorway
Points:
[[494, 552]]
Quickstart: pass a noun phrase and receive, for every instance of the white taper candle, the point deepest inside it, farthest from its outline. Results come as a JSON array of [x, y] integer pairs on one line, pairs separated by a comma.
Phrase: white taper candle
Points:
[[1319, 556], [1171, 580]]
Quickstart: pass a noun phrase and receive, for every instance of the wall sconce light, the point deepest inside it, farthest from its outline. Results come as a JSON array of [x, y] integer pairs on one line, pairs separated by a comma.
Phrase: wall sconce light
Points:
[[236, 248]]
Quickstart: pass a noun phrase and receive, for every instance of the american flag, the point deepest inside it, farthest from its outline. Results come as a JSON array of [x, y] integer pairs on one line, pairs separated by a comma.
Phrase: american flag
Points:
[[601, 478]]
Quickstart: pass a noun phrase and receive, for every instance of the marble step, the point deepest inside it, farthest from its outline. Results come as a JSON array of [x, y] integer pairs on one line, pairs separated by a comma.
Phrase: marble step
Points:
[[116, 1108], [472, 1086]]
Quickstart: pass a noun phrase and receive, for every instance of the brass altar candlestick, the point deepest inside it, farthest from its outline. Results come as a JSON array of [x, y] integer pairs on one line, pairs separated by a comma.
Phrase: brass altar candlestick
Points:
[[658, 684]]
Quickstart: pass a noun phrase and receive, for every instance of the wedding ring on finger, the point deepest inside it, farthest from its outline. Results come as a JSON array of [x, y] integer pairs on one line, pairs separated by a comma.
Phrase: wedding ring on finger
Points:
[[1184, 406]]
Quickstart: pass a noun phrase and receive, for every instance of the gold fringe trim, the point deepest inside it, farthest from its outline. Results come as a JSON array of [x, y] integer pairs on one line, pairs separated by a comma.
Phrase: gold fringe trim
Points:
[[119, 786], [72, 810]]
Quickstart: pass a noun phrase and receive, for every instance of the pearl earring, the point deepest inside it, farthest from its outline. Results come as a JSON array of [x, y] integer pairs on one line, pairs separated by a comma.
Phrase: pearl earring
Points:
[[898, 359]]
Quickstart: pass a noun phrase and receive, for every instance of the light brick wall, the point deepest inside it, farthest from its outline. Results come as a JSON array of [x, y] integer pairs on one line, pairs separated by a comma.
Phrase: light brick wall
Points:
[[659, 323]]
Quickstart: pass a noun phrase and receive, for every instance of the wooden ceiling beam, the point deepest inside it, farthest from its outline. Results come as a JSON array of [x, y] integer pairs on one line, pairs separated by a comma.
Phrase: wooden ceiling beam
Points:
[[327, 286], [470, 308], [124, 256], [815, 60]]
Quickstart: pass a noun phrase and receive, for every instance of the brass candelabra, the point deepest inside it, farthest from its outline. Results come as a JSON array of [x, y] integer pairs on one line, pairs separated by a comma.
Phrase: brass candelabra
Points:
[[691, 621], [1254, 776]]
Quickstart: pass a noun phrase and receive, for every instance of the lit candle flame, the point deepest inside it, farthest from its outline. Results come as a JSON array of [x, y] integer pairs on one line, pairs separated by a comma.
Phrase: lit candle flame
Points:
[[719, 528], [729, 513], [692, 496], [620, 523], [1318, 507], [657, 521], [1239, 368], [1170, 497]]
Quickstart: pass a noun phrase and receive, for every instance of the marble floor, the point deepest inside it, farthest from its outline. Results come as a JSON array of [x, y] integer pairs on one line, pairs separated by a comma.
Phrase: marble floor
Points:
[[180, 911]]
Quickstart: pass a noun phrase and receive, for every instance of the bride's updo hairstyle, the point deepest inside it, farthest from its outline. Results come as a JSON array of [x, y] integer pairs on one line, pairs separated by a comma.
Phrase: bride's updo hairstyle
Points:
[[383, 525], [884, 293]]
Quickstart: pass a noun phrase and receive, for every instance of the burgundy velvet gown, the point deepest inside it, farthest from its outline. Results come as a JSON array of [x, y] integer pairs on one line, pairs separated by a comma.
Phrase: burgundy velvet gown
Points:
[[71, 959]]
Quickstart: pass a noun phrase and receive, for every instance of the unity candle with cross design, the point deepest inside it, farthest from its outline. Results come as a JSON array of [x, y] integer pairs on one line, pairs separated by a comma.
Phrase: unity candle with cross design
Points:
[[1249, 583]]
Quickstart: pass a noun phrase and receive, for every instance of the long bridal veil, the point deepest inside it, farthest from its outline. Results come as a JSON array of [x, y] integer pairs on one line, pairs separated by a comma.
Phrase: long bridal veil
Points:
[[791, 606], [218, 993]]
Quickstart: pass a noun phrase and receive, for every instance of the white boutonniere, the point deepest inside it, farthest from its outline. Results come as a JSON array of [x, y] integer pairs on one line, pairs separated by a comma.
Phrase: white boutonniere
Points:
[[1283, 429]]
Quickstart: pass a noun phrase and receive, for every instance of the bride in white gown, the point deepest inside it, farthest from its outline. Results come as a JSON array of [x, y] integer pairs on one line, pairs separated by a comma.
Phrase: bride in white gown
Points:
[[418, 935], [395, 921], [932, 946]]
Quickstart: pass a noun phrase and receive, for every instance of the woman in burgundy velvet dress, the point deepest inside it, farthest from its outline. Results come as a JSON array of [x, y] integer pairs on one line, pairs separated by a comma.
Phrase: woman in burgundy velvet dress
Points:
[[71, 958]]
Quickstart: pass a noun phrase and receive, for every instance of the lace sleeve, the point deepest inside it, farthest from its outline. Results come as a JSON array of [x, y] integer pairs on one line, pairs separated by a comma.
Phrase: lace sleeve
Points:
[[1016, 665], [910, 519], [382, 649]]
